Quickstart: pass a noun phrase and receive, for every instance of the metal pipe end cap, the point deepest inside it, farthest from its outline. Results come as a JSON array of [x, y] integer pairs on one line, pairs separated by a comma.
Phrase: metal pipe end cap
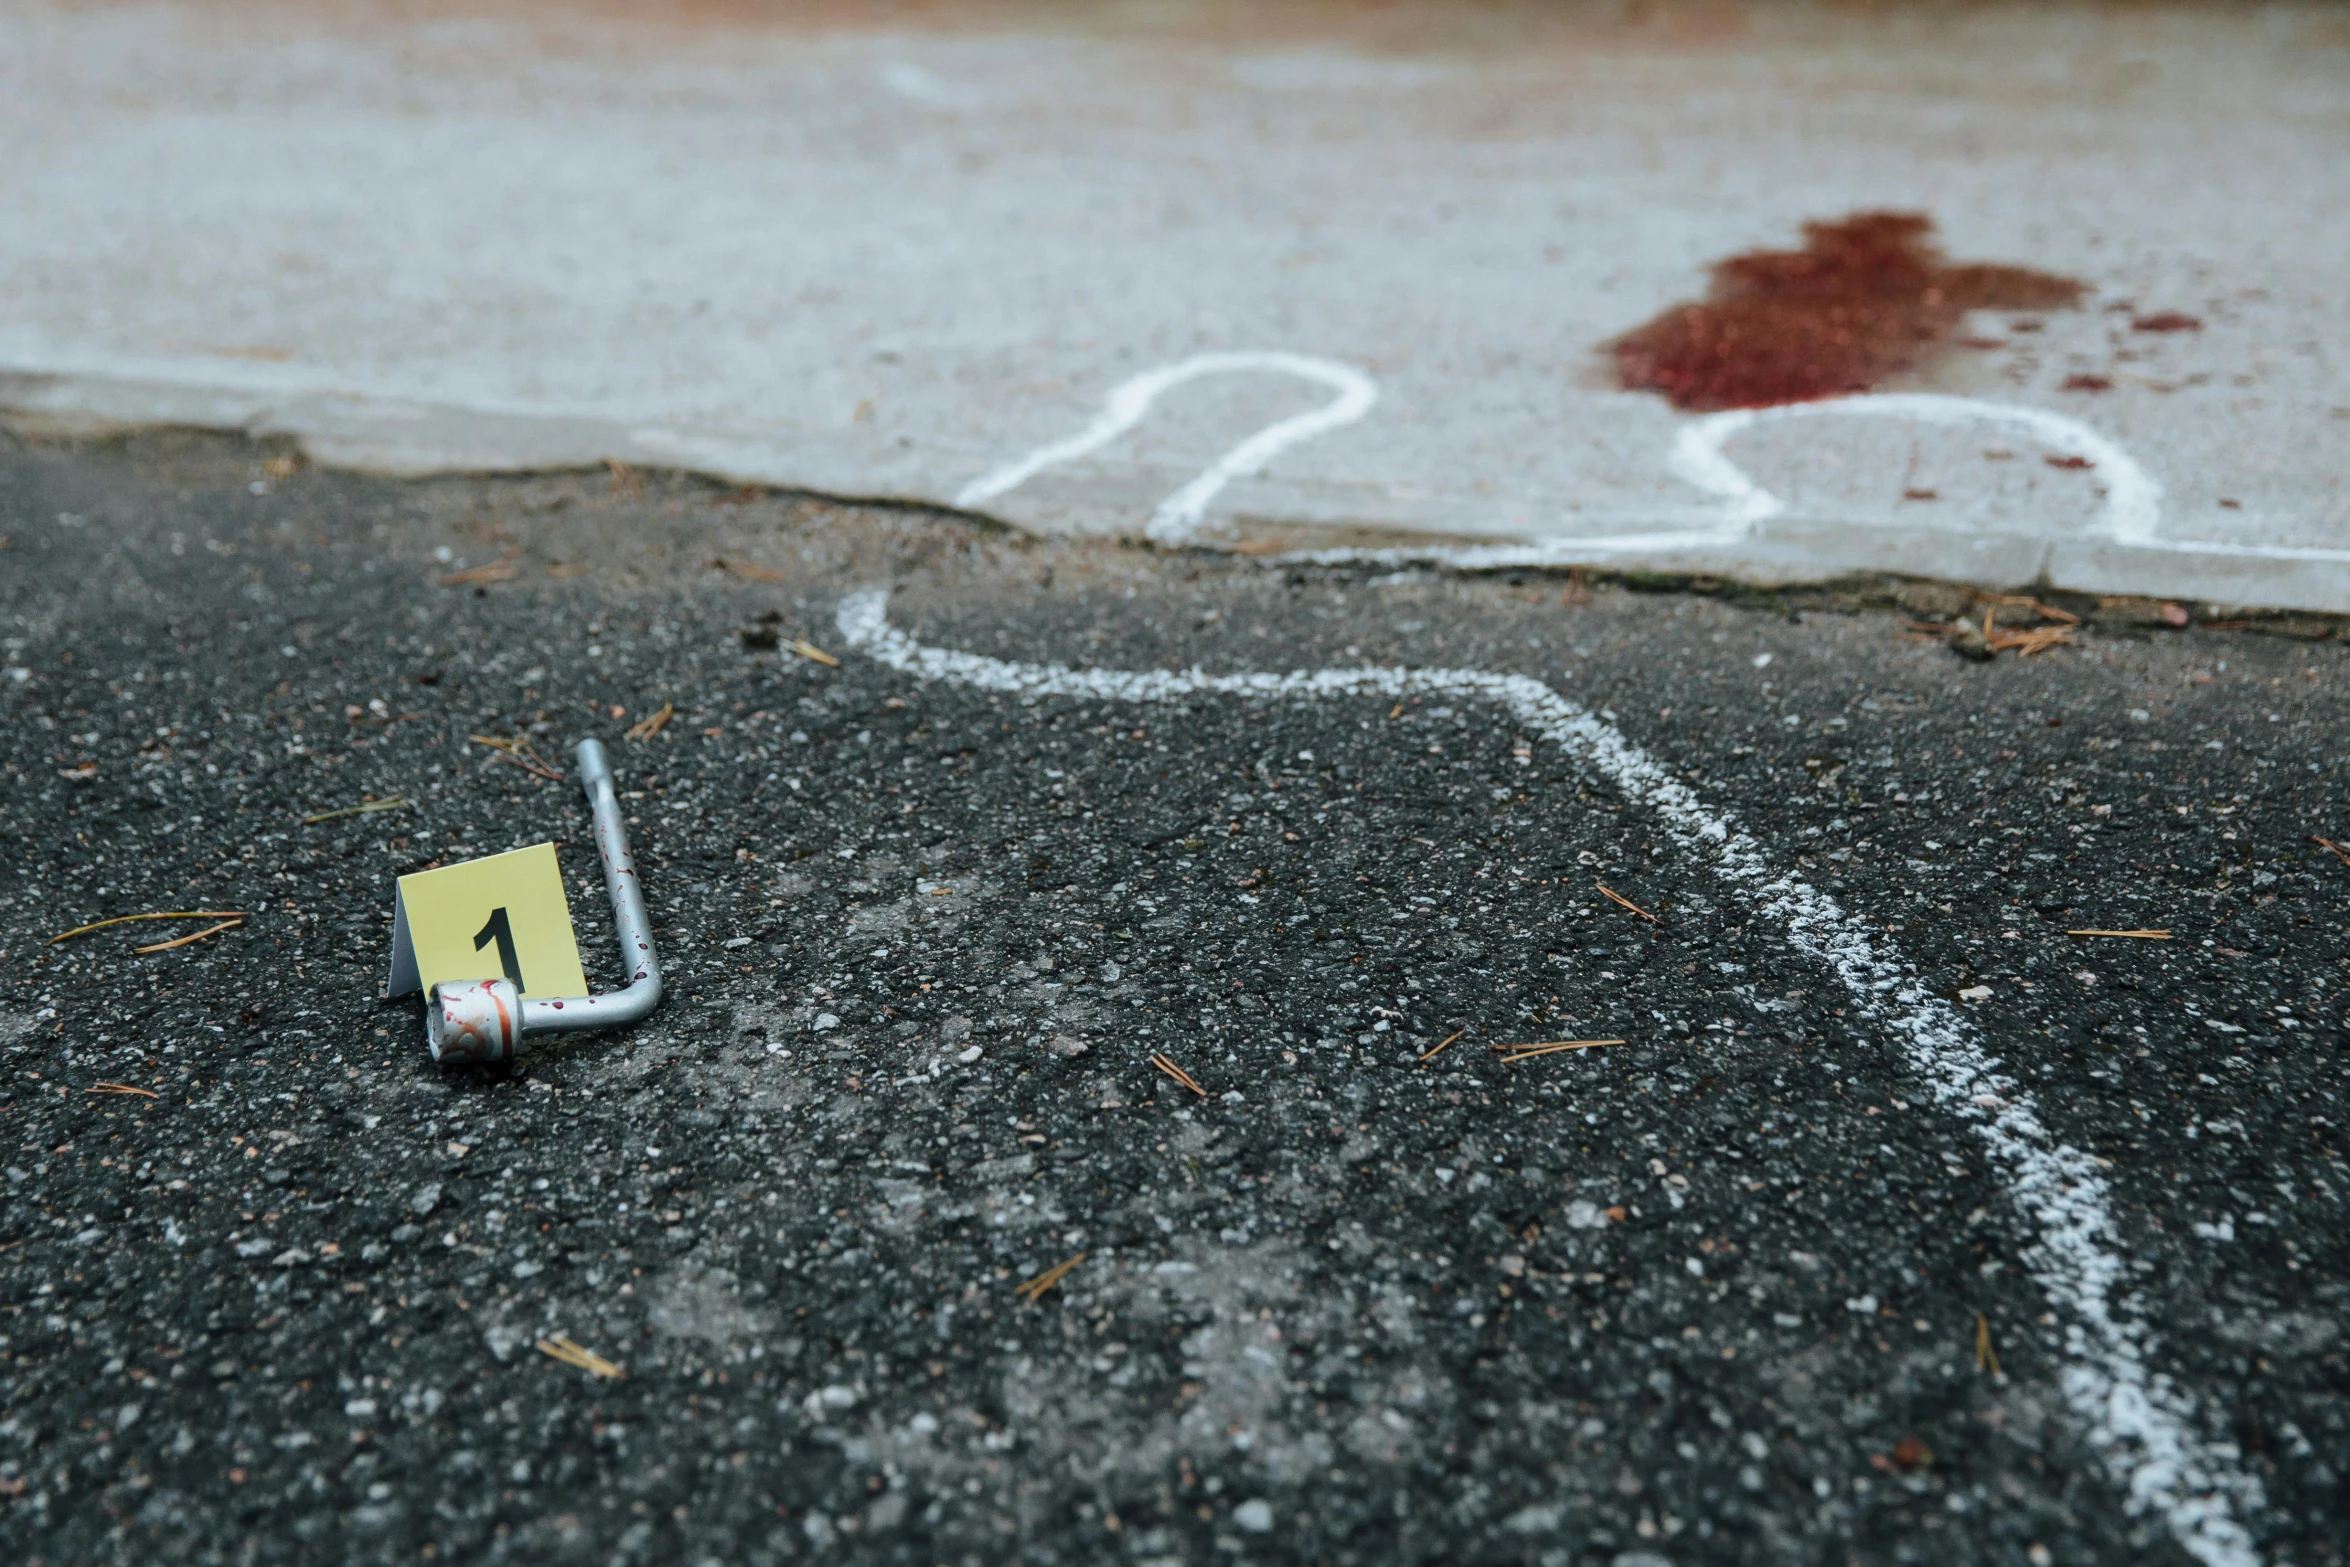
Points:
[[474, 1022]]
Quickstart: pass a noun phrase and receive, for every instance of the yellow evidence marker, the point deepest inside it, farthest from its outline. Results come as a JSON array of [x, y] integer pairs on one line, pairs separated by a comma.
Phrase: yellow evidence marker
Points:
[[505, 916]]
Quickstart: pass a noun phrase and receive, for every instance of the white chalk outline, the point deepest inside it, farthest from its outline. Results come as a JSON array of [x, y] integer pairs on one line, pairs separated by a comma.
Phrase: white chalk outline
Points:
[[2131, 512], [2130, 515], [2141, 1423], [2133, 500], [1178, 516]]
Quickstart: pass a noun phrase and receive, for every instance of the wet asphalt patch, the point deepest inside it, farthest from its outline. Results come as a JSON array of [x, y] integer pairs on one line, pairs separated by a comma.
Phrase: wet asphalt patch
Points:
[[1722, 1291]]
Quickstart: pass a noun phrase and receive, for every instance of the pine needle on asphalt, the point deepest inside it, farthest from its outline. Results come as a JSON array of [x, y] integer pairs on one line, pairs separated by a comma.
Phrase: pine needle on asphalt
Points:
[[1548, 1047], [126, 919], [1438, 1049], [1623, 902], [1034, 1289], [1166, 1064], [212, 930], [585, 1359]]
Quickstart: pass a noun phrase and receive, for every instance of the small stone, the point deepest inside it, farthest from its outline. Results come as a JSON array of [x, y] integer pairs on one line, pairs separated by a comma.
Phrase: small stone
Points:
[[826, 1021], [969, 1056], [1254, 1515], [1069, 1045], [425, 1199], [1537, 1519]]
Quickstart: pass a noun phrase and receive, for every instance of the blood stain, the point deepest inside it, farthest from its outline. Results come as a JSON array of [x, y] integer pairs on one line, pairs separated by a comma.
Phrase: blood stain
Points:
[[2086, 383], [2166, 321], [1868, 297]]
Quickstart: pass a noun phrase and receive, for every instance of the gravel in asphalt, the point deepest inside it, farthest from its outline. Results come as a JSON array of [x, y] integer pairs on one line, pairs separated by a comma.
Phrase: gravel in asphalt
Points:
[[1729, 1290]]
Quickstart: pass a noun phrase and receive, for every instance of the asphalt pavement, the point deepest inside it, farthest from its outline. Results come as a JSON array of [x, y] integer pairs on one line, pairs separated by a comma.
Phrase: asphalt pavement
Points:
[[979, 969]]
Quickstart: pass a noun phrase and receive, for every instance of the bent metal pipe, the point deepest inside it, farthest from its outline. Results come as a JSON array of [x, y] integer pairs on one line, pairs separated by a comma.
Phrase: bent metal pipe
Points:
[[482, 1022]]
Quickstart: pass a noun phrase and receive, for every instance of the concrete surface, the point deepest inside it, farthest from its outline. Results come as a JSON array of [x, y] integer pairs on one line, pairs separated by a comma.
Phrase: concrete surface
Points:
[[893, 254], [1730, 1291]]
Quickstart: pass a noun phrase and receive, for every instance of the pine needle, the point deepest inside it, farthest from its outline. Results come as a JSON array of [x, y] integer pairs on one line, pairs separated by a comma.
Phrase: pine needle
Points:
[[1034, 1289], [585, 1359], [121, 1088], [1625, 902], [748, 571], [1167, 1065], [519, 752], [211, 930], [2140, 935], [1548, 1047], [1431, 1054], [2024, 601], [496, 571], [2025, 643], [810, 651], [396, 802], [125, 919], [1986, 1358], [646, 728]]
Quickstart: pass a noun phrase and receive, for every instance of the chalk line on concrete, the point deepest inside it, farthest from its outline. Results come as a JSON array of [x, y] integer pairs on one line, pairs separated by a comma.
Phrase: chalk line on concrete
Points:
[[2141, 1424], [1178, 517], [2133, 500], [2129, 513]]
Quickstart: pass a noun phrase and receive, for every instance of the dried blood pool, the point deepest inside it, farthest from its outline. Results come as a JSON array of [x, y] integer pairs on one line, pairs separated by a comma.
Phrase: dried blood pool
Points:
[[1868, 297]]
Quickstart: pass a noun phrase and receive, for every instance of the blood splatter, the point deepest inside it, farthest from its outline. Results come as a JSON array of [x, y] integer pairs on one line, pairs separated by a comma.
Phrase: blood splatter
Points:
[[1867, 298], [2165, 321], [2086, 383]]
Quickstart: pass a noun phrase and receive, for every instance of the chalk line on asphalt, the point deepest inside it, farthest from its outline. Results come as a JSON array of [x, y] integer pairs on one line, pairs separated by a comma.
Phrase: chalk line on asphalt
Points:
[[2139, 1421], [1178, 516]]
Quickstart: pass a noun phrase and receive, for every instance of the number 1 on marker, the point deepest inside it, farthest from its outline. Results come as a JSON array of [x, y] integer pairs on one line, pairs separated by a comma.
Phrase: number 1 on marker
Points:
[[503, 932], [435, 915]]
